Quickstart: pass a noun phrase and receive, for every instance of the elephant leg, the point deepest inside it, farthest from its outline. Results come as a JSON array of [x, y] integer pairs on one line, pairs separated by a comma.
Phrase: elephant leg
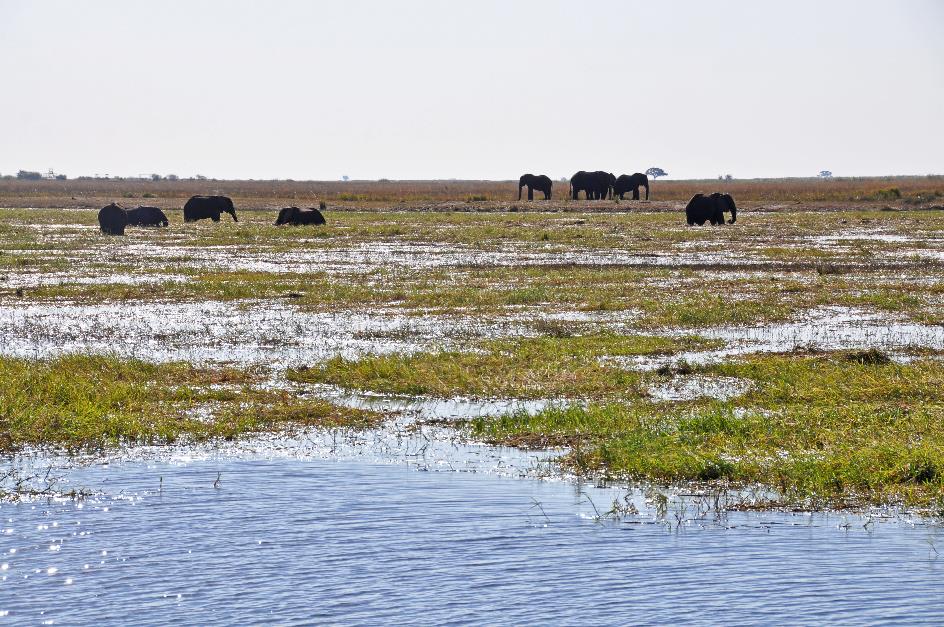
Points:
[[547, 194], [530, 193], [635, 193]]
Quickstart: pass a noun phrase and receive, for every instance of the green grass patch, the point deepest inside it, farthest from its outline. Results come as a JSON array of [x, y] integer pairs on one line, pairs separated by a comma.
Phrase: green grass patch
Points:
[[842, 429], [85, 401], [545, 367]]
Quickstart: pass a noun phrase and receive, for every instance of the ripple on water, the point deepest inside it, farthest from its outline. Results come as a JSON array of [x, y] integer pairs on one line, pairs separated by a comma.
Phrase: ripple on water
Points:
[[340, 541]]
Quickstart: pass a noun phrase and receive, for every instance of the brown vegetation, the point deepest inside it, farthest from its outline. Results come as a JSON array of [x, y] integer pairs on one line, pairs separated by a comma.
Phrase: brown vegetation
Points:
[[485, 195]]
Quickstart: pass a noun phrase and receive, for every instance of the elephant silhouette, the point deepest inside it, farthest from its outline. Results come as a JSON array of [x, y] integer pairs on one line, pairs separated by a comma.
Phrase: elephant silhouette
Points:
[[202, 207], [627, 182], [147, 216], [296, 216], [596, 185], [112, 219], [701, 209], [538, 182]]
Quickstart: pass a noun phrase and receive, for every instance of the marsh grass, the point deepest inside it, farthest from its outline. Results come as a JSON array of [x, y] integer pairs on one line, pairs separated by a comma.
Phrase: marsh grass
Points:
[[545, 367], [838, 429], [782, 272], [82, 401]]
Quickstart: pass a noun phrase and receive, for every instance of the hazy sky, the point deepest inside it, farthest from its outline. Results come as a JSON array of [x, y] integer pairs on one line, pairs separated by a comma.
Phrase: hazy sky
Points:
[[484, 89]]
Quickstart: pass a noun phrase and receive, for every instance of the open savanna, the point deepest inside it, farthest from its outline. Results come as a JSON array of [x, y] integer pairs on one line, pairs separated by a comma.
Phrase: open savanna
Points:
[[595, 291], [478, 195]]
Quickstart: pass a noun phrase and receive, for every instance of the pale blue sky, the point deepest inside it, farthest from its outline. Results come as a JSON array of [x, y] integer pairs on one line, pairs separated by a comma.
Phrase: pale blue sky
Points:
[[487, 89]]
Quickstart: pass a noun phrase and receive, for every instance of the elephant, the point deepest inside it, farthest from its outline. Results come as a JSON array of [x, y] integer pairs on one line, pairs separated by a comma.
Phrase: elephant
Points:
[[703, 209], [605, 183], [200, 207], [538, 182], [294, 215], [626, 182], [113, 219], [596, 185], [147, 216]]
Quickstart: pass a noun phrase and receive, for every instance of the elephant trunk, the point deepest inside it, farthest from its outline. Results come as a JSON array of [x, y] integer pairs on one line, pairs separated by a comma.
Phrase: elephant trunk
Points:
[[734, 214]]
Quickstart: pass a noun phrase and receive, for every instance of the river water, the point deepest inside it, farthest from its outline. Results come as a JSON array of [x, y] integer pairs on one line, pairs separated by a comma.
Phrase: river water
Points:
[[302, 534]]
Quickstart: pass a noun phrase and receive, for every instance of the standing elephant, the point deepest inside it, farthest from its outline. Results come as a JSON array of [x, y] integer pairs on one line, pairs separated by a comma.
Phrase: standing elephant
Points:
[[596, 185], [201, 207], [113, 219], [703, 209], [294, 215], [538, 182], [627, 182], [147, 216]]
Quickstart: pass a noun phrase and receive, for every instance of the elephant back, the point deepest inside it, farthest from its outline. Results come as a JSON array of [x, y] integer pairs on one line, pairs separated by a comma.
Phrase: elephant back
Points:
[[112, 219]]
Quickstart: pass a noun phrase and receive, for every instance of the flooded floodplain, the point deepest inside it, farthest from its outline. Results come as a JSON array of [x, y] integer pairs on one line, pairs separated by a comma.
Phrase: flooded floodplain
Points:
[[526, 413]]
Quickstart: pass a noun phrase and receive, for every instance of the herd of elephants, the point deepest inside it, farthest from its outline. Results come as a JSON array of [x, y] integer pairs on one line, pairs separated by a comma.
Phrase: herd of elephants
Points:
[[599, 185]]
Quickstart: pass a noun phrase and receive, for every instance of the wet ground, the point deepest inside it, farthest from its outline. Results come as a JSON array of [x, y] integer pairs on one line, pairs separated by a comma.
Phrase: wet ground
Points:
[[411, 522]]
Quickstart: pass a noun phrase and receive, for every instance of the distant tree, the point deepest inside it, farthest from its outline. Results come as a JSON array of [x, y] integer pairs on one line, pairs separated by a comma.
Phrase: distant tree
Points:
[[825, 174], [728, 177], [172, 177], [200, 177], [155, 177], [28, 175], [61, 177], [345, 178], [656, 173]]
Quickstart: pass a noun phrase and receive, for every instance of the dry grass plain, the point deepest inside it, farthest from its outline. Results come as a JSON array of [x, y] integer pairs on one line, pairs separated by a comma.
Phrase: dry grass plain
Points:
[[771, 194]]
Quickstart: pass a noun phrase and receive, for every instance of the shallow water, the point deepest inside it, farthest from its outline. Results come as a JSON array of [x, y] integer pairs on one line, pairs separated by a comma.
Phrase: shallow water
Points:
[[827, 329], [312, 540], [256, 332], [242, 332], [369, 257]]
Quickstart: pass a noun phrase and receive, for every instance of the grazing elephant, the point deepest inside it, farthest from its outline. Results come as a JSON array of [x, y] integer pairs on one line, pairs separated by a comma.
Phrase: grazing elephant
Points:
[[113, 219], [633, 182], [596, 185], [200, 207], [540, 182], [703, 209], [608, 181], [147, 216], [294, 215]]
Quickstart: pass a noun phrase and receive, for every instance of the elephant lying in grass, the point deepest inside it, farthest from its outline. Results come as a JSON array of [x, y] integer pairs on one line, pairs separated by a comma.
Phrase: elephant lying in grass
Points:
[[147, 216], [296, 216]]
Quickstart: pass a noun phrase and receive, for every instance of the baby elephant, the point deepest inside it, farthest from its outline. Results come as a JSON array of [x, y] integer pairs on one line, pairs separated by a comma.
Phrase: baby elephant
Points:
[[113, 219], [147, 216], [294, 215]]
